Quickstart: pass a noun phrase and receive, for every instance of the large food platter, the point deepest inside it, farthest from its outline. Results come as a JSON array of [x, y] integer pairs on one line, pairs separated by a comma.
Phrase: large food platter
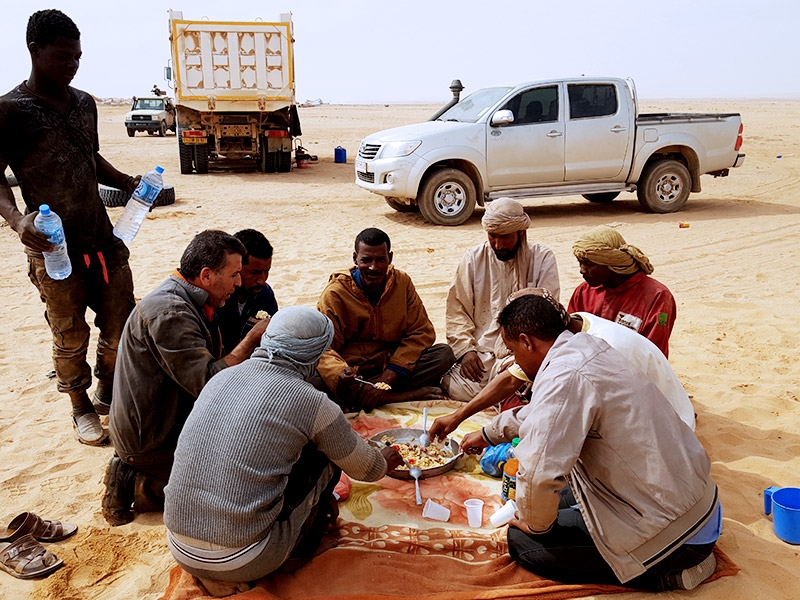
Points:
[[412, 435]]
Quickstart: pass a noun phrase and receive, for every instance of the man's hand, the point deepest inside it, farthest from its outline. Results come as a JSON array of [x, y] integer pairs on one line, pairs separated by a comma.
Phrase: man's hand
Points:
[[132, 183], [32, 237], [444, 426], [392, 457], [473, 443], [472, 367], [249, 343]]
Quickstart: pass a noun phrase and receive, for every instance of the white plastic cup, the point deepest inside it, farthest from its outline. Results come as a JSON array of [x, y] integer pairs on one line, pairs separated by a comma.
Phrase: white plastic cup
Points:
[[474, 508], [504, 514], [434, 510]]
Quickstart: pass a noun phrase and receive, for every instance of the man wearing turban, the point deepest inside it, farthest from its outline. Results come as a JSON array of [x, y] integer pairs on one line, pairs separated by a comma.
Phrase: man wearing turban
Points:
[[618, 286], [485, 278], [258, 458]]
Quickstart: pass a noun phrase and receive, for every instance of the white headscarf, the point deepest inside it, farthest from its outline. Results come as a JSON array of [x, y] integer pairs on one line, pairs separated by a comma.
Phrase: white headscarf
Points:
[[505, 215]]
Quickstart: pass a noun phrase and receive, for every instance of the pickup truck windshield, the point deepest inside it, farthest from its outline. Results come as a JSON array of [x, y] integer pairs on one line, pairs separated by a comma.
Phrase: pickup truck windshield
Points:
[[148, 104], [474, 106]]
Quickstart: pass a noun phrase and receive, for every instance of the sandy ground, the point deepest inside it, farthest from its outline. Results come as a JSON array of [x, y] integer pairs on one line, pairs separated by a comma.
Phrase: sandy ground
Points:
[[733, 273]]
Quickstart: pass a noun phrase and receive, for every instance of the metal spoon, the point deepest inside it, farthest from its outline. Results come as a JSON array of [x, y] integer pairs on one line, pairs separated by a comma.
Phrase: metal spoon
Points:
[[415, 472], [425, 438]]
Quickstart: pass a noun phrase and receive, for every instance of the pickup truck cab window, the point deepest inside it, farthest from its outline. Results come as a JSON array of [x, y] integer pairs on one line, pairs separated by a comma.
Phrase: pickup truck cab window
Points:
[[593, 100], [537, 105]]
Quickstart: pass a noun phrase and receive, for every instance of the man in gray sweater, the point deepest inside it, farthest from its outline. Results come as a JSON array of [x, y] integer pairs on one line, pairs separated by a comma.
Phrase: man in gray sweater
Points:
[[258, 458]]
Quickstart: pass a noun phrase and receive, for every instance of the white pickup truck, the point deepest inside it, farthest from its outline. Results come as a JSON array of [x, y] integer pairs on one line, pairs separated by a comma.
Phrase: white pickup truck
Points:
[[547, 138]]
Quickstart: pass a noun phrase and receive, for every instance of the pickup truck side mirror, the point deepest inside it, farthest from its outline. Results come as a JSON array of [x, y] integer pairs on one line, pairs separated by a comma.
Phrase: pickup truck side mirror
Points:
[[502, 117]]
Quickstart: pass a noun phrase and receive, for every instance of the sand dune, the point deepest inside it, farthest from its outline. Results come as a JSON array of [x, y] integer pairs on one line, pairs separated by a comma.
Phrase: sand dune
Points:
[[734, 274]]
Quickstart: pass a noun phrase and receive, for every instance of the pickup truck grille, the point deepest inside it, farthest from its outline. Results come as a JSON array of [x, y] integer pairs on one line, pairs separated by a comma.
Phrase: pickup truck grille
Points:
[[368, 151], [141, 117], [368, 177]]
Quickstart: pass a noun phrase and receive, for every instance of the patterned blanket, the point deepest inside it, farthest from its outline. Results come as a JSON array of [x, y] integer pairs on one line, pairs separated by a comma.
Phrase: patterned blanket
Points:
[[387, 550]]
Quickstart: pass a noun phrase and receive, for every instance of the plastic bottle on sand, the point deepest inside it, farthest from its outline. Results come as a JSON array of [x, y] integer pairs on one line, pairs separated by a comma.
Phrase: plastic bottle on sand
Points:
[[57, 262], [139, 205], [509, 489]]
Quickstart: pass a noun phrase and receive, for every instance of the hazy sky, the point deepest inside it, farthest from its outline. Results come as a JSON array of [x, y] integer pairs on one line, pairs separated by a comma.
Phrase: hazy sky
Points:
[[361, 51]]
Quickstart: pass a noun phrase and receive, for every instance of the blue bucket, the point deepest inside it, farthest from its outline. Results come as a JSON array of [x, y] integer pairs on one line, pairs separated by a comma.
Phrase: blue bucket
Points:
[[339, 155], [784, 504]]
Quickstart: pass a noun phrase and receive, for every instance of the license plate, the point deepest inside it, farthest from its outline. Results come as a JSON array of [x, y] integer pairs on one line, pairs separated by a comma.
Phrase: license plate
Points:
[[362, 166], [194, 140]]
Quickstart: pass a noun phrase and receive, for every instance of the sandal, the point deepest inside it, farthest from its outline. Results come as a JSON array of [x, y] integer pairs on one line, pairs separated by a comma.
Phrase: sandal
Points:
[[41, 529], [25, 558]]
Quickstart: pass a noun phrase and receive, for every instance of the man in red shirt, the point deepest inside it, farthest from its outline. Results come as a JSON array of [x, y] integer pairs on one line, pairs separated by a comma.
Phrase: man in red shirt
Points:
[[618, 286]]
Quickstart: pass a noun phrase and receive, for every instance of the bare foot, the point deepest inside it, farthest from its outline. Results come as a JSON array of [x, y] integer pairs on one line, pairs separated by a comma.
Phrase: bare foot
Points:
[[420, 394], [220, 589]]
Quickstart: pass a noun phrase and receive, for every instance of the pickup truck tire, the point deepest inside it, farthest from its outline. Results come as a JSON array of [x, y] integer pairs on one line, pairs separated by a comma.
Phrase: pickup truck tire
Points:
[[162, 129], [399, 206], [185, 156], [447, 197], [664, 186], [131, 131], [602, 198]]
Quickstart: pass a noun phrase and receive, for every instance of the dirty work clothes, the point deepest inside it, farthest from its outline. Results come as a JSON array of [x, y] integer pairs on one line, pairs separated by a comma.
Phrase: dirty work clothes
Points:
[[479, 291], [168, 352], [106, 288], [235, 319], [53, 157], [392, 333], [641, 303]]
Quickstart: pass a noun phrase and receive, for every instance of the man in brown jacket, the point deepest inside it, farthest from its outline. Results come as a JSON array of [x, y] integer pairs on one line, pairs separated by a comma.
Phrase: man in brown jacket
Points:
[[382, 334]]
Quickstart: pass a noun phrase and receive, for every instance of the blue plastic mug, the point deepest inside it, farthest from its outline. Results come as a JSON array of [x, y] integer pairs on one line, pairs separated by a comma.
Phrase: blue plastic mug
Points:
[[784, 504]]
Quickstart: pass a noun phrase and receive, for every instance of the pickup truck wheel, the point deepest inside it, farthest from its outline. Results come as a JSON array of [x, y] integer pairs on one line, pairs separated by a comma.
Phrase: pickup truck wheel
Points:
[[185, 155], [400, 206], [603, 198], [447, 197], [664, 186], [131, 132], [162, 130], [201, 159]]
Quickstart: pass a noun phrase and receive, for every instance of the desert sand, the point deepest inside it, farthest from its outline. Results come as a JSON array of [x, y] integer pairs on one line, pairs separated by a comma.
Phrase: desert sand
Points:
[[734, 274]]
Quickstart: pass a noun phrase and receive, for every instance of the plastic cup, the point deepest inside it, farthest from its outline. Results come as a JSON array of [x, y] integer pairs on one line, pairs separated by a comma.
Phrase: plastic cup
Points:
[[434, 510], [474, 508], [504, 515]]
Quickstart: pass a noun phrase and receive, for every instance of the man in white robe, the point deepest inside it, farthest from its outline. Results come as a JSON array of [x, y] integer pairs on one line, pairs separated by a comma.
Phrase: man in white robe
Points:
[[486, 276]]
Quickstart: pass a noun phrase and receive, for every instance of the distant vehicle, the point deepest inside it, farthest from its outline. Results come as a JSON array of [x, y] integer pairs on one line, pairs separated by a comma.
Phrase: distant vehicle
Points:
[[153, 115], [547, 138], [234, 92]]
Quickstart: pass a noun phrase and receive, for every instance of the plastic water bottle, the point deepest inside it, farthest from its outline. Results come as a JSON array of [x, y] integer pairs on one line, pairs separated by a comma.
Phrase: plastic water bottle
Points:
[[509, 488], [139, 205], [57, 262]]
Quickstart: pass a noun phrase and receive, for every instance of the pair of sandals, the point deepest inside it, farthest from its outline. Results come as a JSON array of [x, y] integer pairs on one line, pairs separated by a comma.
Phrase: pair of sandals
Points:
[[21, 554]]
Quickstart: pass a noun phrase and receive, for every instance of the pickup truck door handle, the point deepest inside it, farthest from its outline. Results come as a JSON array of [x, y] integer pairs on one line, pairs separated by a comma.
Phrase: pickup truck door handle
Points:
[[554, 133], [618, 129]]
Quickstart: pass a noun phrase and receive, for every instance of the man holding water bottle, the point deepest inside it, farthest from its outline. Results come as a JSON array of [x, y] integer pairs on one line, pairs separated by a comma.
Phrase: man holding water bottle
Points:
[[48, 136]]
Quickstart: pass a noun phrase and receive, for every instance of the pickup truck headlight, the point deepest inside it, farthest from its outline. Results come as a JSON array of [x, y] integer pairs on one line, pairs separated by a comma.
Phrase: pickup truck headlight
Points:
[[129, 117], [395, 149]]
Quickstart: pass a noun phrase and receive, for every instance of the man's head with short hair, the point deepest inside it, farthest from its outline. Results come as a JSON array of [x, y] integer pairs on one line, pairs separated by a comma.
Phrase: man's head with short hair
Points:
[[256, 264], [45, 26], [372, 236], [533, 315], [213, 262], [372, 257], [256, 244]]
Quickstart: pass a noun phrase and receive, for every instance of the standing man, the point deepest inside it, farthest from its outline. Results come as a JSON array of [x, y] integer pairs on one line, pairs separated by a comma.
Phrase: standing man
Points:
[[640, 508], [254, 296], [486, 276], [618, 287], [381, 333], [171, 346], [48, 136]]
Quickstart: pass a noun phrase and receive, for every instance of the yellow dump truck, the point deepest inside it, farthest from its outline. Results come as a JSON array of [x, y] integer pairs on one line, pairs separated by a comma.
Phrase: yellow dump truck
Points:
[[234, 92]]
